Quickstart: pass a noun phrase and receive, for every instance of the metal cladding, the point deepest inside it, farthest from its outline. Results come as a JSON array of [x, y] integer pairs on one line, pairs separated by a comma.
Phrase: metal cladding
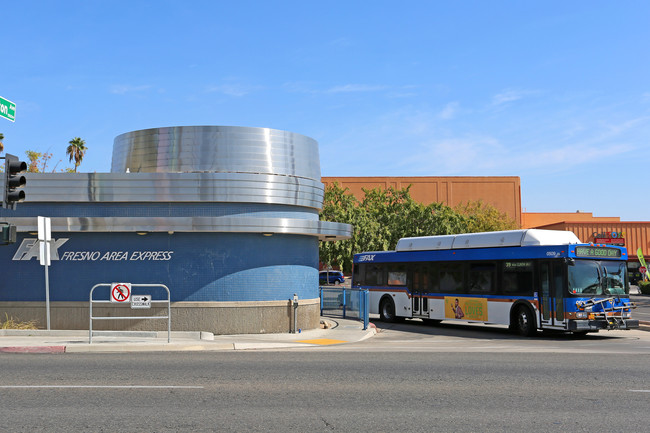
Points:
[[221, 149], [274, 176]]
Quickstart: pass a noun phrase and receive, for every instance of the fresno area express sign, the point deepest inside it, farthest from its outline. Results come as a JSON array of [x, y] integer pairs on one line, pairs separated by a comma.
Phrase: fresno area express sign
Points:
[[29, 249]]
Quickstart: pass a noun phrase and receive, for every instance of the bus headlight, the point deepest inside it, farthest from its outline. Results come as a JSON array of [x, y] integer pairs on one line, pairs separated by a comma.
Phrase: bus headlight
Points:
[[581, 315]]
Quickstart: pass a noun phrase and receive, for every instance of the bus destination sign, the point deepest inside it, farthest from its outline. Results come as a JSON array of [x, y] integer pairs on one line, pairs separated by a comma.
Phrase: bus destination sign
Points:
[[597, 252]]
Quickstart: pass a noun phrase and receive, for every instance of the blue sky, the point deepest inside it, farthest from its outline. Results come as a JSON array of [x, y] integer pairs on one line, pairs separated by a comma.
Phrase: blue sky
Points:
[[555, 92]]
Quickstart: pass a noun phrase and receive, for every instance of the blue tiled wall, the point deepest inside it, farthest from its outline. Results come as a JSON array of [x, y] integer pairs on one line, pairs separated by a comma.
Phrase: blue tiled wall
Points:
[[195, 266]]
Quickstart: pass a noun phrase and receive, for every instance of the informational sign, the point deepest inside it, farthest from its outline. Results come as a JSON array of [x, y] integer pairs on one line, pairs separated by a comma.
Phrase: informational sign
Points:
[[7, 109], [140, 301], [121, 292]]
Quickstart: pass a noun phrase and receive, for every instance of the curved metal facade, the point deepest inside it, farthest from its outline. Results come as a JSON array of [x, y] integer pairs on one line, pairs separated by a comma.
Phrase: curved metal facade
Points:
[[221, 149], [219, 214]]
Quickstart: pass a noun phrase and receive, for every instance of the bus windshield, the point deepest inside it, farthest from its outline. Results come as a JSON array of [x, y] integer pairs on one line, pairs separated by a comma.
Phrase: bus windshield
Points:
[[595, 277]]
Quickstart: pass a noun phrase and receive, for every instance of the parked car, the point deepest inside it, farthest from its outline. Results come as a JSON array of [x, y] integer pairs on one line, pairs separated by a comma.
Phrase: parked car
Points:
[[331, 277]]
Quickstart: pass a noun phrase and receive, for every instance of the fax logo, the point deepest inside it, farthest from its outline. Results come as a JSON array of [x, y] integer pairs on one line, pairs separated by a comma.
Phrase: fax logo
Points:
[[367, 258], [29, 249]]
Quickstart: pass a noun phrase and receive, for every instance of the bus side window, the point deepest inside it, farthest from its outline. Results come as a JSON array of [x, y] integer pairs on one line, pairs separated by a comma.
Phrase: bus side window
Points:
[[433, 271], [481, 277], [358, 274], [517, 278], [375, 275], [451, 278]]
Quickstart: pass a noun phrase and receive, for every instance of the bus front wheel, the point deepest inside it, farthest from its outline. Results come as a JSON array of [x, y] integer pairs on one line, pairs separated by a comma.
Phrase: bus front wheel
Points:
[[524, 322], [387, 310]]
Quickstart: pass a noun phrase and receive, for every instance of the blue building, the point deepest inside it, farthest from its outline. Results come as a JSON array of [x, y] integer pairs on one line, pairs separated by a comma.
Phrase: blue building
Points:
[[226, 217]]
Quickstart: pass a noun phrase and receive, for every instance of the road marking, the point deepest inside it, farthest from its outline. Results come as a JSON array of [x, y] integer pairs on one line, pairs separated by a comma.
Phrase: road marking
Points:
[[104, 386], [638, 390], [322, 341]]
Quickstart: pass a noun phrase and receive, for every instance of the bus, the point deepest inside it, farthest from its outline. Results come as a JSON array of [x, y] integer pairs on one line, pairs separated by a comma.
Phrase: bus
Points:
[[528, 280]]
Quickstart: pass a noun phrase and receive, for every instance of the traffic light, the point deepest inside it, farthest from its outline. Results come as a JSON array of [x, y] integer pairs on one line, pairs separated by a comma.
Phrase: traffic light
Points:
[[8, 233], [13, 181]]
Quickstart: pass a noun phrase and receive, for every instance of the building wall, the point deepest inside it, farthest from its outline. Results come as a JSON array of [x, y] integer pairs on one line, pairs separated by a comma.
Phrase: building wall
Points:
[[504, 193], [531, 220], [636, 234]]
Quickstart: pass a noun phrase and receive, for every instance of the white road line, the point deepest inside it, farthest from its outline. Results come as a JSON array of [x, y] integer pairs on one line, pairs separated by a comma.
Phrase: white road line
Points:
[[638, 390], [103, 386]]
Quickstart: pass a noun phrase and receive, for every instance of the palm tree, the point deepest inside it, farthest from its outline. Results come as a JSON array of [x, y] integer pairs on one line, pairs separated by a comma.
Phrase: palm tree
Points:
[[76, 151]]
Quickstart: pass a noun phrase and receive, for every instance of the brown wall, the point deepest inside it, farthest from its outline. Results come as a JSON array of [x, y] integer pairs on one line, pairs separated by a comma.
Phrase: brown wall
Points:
[[531, 220], [503, 192], [637, 234]]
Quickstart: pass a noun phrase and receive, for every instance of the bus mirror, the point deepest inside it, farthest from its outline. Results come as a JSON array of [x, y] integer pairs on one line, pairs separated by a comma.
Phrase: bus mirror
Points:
[[570, 261]]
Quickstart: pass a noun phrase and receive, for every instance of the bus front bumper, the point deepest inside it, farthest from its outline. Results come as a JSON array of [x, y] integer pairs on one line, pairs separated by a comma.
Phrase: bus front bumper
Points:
[[595, 325]]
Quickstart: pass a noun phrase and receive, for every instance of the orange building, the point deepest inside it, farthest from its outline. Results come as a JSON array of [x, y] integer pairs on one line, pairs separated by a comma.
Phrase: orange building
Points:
[[502, 192]]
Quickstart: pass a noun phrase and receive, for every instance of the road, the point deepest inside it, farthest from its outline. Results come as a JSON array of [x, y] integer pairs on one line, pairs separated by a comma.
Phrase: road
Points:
[[642, 312], [409, 377]]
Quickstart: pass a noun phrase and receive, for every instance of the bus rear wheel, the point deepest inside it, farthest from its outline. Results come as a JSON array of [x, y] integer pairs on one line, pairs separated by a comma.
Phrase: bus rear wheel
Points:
[[524, 322], [387, 310]]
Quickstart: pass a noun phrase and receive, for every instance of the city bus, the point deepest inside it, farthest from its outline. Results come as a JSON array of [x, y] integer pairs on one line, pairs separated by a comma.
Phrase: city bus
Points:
[[528, 280]]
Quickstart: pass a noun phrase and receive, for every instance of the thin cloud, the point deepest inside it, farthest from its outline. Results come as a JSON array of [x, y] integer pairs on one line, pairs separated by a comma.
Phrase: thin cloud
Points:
[[237, 90], [120, 89], [510, 95], [449, 111], [350, 88]]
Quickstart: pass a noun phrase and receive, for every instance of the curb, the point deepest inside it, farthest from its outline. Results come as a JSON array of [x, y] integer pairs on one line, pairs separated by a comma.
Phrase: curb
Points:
[[33, 349]]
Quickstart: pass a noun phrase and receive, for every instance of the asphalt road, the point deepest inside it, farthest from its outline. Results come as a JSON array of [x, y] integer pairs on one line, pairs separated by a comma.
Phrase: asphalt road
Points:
[[642, 312], [409, 377]]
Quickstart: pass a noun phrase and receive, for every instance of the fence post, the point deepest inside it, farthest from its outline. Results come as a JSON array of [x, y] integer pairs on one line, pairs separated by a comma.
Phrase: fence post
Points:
[[366, 309]]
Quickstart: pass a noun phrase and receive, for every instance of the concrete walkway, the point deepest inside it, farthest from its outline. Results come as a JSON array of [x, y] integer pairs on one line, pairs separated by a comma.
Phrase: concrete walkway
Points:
[[339, 331]]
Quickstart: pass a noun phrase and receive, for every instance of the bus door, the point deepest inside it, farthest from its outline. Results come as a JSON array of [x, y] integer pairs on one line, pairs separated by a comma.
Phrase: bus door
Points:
[[418, 287], [551, 294]]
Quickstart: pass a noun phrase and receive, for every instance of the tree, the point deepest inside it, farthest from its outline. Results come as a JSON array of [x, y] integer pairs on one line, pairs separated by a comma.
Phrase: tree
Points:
[[38, 161], [2, 146], [76, 150], [380, 220], [483, 217]]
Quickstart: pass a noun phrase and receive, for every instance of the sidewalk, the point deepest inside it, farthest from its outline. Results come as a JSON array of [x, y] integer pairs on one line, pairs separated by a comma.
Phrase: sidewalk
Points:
[[340, 331]]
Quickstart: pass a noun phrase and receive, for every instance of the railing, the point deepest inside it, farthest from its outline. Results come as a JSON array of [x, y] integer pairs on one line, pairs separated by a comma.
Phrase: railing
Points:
[[346, 303], [164, 301]]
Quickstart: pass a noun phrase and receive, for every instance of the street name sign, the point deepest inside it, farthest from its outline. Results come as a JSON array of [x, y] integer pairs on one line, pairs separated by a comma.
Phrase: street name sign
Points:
[[7, 109]]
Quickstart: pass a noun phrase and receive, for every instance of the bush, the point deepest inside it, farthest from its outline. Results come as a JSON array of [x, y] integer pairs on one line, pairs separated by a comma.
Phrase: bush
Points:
[[644, 287]]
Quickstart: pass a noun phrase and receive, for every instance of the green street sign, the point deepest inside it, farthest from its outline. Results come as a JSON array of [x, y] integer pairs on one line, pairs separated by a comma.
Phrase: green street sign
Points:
[[7, 109]]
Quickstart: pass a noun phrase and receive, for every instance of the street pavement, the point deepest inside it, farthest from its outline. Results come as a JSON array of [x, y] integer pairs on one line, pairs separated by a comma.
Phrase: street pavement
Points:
[[337, 331]]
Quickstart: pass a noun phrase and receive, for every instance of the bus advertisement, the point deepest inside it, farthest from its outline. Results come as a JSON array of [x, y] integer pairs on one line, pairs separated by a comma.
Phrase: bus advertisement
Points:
[[528, 280]]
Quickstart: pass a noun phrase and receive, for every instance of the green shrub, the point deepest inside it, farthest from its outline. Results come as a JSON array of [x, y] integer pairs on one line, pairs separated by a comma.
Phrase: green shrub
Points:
[[644, 287]]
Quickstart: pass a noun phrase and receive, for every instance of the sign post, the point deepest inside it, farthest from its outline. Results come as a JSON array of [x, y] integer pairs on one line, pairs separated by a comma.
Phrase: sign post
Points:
[[7, 109], [44, 239]]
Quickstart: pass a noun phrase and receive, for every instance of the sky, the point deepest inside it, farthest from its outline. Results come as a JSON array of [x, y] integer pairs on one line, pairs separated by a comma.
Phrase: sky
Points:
[[555, 92]]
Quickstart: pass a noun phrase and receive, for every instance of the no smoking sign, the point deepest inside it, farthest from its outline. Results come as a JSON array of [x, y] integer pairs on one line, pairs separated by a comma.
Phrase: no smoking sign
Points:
[[121, 292]]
